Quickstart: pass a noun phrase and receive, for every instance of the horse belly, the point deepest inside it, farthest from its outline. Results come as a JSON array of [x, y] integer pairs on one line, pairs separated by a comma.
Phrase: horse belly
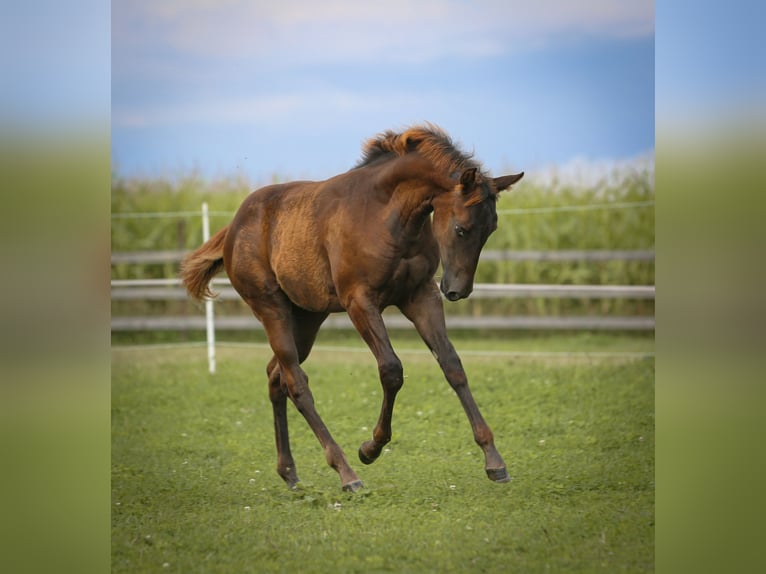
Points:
[[307, 282]]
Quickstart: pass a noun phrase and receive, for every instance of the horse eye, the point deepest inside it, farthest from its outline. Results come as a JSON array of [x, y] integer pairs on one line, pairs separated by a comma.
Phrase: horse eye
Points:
[[460, 231]]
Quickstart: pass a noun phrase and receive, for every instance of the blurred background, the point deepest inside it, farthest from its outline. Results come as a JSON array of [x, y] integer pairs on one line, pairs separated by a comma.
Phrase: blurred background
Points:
[[211, 100]]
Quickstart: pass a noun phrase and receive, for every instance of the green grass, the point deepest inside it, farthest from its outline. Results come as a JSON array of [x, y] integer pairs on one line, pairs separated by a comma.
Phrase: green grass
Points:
[[194, 487]]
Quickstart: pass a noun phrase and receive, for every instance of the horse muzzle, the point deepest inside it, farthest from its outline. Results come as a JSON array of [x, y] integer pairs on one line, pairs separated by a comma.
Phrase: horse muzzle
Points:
[[454, 291]]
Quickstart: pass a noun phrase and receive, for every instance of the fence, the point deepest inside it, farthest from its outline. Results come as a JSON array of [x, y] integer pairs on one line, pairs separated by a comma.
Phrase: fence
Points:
[[172, 289]]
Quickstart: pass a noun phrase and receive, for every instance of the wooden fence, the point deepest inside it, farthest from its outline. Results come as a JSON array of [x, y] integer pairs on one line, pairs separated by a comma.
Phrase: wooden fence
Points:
[[171, 289]]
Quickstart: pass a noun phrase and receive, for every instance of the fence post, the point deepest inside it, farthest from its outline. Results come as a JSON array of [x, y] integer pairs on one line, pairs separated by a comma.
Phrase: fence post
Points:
[[209, 318]]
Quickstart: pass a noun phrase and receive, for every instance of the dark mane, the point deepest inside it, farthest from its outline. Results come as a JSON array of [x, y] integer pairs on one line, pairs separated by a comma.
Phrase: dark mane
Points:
[[429, 140], [433, 143]]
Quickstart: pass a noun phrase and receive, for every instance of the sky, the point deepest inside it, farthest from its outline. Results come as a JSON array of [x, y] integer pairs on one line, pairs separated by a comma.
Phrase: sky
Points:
[[711, 64], [291, 89]]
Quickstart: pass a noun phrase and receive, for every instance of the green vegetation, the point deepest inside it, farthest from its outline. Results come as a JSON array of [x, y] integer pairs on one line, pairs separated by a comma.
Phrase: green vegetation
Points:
[[194, 487], [522, 226]]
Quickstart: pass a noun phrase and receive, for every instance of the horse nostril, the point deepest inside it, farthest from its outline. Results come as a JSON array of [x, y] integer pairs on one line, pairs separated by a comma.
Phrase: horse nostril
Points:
[[453, 295]]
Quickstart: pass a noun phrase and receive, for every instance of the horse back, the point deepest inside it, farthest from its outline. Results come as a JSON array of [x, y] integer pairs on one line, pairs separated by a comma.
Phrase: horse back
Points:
[[317, 242]]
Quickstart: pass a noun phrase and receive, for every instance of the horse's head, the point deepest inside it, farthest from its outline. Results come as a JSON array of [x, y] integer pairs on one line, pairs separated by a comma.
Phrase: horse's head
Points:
[[463, 220]]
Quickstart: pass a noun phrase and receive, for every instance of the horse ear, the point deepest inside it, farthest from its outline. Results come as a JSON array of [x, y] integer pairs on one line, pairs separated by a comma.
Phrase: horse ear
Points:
[[468, 179], [506, 181]]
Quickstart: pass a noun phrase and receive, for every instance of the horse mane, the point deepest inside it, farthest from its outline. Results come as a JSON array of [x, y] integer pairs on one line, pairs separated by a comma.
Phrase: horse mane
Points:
[[431, 142]]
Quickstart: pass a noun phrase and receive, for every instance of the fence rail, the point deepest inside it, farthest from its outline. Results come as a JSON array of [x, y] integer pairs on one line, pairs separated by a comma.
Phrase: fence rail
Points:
[[340, 321], [171, 289], [565, 255]]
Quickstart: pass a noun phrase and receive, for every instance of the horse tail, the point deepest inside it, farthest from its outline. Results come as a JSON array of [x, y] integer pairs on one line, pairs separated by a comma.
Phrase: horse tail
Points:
[[200, 266]]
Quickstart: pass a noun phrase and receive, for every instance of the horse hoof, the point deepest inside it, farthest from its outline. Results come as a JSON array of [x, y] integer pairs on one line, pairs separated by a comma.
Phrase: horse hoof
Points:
[[364, 458], [498, 474], [353, 486], [290, 477]]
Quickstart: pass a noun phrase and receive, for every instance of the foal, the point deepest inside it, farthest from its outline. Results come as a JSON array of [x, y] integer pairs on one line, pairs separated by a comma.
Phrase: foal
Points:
[[360, 242]]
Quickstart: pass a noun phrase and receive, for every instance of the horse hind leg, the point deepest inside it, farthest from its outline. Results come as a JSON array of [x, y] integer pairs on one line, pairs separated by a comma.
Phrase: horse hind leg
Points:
[[305, 329], [291, 342], [278, 396]]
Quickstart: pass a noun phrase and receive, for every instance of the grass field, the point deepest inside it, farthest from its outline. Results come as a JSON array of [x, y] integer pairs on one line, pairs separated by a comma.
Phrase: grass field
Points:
[[194, 487]]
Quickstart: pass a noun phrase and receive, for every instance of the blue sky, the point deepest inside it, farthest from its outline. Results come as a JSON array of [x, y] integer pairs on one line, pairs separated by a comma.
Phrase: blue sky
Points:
[[292, 88], [712, 63]]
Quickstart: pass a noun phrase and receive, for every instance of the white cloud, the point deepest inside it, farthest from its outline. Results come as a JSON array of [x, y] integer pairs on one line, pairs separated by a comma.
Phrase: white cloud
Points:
[[265, 109], [221, 62], [340, 31]]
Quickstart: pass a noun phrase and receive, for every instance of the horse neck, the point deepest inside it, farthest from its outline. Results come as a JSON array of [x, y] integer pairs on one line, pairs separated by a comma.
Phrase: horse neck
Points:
[[408, 185], [409, 208], [415, 184]]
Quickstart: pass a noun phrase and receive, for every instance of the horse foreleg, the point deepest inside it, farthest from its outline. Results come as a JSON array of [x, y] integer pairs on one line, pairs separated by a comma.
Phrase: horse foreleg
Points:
[[426, 311], [453, 371], [368, 321], [278, 396]]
